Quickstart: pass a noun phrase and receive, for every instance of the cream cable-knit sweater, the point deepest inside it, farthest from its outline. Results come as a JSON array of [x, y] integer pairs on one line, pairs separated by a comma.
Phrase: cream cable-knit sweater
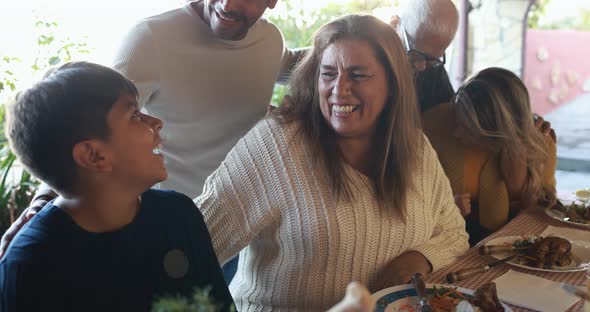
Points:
[[301, 246]]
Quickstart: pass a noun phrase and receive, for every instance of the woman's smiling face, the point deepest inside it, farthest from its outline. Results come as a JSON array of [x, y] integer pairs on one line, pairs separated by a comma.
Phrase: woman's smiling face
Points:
[[353, 88]]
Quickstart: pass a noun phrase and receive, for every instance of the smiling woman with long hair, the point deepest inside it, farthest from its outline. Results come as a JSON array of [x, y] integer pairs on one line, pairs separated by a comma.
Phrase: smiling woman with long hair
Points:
[[337, 185], [491, 150], [394, 146]]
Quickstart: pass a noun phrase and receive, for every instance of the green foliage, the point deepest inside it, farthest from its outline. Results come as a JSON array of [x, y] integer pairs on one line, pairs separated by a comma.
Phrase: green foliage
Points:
[[17, 186], [54, 50], [537, 11], [298, 24], [537, 18], [8, 79], [200, 302], [278, 94]]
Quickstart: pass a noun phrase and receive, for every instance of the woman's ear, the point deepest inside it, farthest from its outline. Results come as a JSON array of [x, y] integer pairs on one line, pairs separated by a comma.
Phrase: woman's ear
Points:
[[92, 155]]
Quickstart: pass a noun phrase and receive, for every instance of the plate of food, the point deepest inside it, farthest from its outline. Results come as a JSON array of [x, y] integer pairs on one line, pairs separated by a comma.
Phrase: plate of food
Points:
[[548, 254], [572, 212], [442, 298]]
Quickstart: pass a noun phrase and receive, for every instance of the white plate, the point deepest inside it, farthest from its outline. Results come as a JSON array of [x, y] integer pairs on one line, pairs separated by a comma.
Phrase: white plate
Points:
[[391, 299], [580, 249], [560, 216]]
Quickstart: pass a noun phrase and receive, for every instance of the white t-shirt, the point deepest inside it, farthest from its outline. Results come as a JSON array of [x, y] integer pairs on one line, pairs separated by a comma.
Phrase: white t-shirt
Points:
[[209, 92]]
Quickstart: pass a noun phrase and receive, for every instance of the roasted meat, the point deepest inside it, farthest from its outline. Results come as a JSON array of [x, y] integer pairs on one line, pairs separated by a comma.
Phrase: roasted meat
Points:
[[549, 252], [486, 298]]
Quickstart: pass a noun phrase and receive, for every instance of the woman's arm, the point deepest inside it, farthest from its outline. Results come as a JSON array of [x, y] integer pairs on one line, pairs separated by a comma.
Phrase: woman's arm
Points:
[[551, 164], [449, 239], [400, 270], [514, 171], [237, 198]]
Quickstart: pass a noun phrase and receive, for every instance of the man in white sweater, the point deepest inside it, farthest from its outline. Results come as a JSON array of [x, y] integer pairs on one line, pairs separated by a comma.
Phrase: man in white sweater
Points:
[[207, 70]]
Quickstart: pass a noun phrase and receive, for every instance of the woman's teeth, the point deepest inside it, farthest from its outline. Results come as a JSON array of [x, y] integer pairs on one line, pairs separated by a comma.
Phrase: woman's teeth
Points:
[[343, 108]]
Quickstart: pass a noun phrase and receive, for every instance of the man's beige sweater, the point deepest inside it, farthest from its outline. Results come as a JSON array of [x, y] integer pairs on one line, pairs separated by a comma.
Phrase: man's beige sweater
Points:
[[300, 246]]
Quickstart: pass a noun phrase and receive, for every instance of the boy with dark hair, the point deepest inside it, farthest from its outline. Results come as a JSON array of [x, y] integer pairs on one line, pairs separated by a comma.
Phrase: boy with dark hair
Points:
[[107, 243]]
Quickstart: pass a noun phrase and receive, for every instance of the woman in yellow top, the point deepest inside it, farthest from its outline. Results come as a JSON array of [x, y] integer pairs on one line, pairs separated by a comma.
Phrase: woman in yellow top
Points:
[[496, 160]]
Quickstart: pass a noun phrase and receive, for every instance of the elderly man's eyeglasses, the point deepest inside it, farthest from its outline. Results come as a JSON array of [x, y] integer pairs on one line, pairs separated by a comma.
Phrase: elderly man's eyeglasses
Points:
[[418, 57]]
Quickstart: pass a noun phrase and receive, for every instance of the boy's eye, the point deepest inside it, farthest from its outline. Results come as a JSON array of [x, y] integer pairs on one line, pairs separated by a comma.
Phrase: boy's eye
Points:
[[136, 115]]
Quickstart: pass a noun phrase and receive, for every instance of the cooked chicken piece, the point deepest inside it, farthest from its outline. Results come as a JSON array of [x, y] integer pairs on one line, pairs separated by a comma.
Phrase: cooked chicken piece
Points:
[[551, 251], [486, 298]]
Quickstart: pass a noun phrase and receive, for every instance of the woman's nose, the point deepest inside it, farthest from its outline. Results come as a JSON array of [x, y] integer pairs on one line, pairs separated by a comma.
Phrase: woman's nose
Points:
[[342, 85]]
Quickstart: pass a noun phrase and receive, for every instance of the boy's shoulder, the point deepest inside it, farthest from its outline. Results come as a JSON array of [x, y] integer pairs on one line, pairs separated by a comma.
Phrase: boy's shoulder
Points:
[[168, 203], [48, 227], [164, 197]]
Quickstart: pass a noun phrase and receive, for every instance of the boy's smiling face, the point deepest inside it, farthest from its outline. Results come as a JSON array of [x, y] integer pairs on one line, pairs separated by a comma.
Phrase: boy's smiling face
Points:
[[134, 144]]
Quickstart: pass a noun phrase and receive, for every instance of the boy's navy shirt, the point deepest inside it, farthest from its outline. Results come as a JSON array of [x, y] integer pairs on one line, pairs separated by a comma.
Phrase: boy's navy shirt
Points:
[[54, 265]]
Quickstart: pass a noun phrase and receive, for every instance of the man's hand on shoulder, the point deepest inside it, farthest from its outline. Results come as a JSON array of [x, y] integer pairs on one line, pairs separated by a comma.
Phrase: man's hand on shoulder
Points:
[[36, 205]]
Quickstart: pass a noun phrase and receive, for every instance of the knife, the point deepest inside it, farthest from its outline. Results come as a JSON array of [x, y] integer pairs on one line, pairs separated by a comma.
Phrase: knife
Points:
[[418, 283], [576, 291], [465, 273], [495, 249]]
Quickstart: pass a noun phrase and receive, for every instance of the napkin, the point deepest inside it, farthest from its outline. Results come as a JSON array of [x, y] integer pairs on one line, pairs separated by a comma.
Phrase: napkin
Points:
[[569, 233], [532, 292]]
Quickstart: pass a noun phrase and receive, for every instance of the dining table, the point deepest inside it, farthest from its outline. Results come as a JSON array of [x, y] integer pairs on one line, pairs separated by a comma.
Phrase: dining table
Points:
[[526, 223]]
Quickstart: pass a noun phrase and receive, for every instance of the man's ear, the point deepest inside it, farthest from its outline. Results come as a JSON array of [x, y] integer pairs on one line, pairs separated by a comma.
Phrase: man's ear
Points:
[[394, 21], [271, 3], [92, 155]]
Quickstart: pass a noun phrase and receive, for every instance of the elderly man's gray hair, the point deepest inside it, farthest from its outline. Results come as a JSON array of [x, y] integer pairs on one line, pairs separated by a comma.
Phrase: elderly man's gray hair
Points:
[[429, 17]]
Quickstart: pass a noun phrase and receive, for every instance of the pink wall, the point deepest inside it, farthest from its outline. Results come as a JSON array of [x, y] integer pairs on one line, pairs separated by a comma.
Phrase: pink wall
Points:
[[557, 67]]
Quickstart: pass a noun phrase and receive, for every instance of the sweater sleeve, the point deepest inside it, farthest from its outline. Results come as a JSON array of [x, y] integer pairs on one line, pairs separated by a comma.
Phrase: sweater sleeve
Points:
[[137, 59], [236, 199], [449, 239]]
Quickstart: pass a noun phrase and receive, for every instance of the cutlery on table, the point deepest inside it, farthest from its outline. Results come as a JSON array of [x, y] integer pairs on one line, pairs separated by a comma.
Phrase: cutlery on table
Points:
[[420, 286], [575, 291], [465, 273], [496, 249]]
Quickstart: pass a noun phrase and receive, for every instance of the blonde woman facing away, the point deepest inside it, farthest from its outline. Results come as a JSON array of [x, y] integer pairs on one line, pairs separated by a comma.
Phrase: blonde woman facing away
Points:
[[497, 161], [337, 185]]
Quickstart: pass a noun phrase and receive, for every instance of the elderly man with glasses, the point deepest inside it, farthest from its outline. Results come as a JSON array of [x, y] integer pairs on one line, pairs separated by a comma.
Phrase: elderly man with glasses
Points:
[[427, 28]]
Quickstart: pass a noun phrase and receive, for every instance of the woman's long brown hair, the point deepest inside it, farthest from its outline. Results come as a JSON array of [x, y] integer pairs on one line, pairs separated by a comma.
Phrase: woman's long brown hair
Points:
[[398, 141], [494, 107]]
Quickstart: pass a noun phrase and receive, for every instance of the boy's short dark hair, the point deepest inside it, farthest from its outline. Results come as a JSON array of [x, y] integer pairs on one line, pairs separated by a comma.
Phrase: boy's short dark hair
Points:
[[69, 105]]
